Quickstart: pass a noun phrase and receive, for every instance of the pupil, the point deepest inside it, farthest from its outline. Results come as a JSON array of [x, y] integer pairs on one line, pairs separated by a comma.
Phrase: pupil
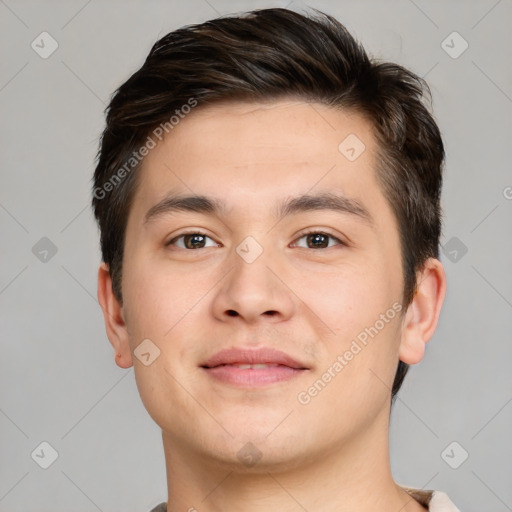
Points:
[[191, 241], [317, 240]]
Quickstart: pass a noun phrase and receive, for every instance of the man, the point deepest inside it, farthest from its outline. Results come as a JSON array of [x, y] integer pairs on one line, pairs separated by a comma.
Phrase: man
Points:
[[269, 207]]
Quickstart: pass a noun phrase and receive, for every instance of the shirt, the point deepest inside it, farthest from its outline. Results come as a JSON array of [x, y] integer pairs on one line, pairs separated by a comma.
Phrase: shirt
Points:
[[434, 501]]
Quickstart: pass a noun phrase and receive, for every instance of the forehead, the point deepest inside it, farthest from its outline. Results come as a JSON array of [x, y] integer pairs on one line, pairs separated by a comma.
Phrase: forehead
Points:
[[257, 134], [284, 135], [249, 154]]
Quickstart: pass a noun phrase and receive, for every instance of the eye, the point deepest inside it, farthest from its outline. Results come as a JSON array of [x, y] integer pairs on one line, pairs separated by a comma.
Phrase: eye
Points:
[[318, 240], [198, 240], [195, 240]]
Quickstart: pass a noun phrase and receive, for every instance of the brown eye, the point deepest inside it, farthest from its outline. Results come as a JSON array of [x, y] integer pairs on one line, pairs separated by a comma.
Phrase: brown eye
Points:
[[192, 241], [319, 240]]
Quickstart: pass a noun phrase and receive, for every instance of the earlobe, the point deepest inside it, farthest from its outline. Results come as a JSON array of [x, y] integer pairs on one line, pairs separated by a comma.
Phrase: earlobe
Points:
[[113, 315], [423, 313]]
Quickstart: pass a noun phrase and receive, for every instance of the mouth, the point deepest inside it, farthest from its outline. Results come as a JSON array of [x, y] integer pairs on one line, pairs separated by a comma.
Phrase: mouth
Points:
[[253, 375], [253, 368], [258, 366], [243, 356]]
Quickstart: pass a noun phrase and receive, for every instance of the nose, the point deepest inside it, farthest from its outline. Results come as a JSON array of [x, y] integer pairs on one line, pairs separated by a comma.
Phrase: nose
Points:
[[254, 292]]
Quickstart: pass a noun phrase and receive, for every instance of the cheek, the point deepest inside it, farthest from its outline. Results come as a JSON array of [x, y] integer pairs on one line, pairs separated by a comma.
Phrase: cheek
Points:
[[357, 313], [345, 298], [158, 297], [163, 308]]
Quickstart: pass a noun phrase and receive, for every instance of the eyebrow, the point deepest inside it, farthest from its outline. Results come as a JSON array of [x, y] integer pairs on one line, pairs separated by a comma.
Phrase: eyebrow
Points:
[[327, 201]]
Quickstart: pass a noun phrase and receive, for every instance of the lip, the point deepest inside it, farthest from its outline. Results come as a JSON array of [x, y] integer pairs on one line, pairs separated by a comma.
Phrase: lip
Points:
[[251, 378], [222, 367], [234, 356]]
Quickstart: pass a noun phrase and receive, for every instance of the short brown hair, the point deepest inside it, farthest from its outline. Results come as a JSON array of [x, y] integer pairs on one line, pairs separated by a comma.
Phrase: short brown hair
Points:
[[269, 54]]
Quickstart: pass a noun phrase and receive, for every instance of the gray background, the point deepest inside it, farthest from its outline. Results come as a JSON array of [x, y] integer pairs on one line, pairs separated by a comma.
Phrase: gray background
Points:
[[58, 379]]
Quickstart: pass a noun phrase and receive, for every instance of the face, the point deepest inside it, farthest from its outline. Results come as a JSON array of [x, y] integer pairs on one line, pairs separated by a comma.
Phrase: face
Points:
[[320, 280]]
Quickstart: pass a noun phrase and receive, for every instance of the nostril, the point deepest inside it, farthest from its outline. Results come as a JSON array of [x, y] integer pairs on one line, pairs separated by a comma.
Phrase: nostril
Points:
[[232, 312]]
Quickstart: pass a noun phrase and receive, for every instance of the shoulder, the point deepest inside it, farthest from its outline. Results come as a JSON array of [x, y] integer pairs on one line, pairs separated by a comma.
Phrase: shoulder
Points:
[[440, 502], [435, 501], [160, 508]]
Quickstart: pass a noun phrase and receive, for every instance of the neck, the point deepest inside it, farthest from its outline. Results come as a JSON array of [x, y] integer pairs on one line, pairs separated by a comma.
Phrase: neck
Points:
[[355, 475]]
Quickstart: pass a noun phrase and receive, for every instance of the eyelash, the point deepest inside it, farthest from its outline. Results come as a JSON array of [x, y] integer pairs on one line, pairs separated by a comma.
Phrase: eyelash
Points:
[[311, 232], [320, 232]]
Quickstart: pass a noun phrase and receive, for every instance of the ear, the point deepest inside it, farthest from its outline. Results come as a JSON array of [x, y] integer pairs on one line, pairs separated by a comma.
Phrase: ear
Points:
[[114, 318], [422, 315]]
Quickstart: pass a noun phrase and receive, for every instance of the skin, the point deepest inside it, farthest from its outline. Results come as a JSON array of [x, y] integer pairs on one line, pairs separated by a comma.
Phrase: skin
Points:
[[332, 453]]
